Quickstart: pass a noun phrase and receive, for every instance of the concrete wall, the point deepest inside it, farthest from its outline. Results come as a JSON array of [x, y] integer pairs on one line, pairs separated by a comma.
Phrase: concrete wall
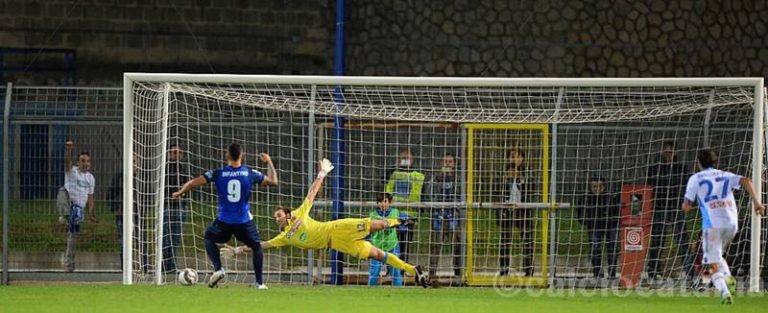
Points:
[[205, 36]]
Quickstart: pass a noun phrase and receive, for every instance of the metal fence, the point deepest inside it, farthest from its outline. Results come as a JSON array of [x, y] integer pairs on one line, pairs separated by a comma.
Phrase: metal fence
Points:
[[39, 120]]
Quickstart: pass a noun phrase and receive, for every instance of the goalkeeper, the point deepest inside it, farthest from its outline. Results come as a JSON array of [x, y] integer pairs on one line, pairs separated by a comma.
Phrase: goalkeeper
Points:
[[344, 235]]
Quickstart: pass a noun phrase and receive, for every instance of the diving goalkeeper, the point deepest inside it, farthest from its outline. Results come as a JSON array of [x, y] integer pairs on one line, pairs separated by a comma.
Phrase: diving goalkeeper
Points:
[[344, 235]]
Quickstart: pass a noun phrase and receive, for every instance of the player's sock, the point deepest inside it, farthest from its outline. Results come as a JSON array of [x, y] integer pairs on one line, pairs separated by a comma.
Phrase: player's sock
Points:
[[724, 268], [213, 254], [718, 279], [396, 262], [258, 264]]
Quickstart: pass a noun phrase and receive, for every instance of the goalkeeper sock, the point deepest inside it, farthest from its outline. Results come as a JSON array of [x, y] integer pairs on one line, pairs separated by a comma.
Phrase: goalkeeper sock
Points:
[[258, 264], [396, 262]]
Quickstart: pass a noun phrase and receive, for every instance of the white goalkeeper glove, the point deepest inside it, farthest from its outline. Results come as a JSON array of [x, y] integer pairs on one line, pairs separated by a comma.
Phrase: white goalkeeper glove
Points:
[[229, 252], [325, 168]]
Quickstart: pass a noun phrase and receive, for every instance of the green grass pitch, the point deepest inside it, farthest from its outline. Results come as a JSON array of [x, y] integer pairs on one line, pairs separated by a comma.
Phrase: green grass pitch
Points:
[[355, 299]]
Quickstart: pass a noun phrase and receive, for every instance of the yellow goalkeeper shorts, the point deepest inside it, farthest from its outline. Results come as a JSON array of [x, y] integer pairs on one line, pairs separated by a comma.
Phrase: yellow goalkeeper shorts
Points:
[[348, 236]]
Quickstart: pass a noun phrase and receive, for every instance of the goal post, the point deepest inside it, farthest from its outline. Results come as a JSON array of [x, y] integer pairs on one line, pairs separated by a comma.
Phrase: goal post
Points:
[[570, 130]]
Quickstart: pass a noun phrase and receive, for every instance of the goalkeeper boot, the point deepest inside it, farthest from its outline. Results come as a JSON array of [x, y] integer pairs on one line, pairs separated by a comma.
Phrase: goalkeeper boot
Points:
[[421, 277], [727, 299], [217, 277], [259, 286]]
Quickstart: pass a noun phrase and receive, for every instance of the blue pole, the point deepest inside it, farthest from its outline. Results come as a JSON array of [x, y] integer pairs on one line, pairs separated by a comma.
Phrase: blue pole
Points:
[[337, 145]]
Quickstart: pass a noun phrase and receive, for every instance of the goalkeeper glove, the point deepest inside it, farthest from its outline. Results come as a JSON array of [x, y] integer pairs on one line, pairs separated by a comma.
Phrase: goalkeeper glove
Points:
[[325, 168], [228, 252]]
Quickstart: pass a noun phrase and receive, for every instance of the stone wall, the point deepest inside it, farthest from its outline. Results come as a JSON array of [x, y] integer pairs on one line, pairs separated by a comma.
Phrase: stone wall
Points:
[[558, 38], [401, 37], [220, 36]]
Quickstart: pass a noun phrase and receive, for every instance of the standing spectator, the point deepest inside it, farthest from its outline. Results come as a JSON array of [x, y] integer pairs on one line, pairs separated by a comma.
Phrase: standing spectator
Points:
[[405, 184], [175, 210], [599, 213], [764, 232], [515, 187], [445, 221], [80, 185], [115, 198], [668, 178], [386, 240]]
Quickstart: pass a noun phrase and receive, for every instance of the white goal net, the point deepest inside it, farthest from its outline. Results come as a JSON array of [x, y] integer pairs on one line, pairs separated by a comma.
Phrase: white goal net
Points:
[[507, 181]]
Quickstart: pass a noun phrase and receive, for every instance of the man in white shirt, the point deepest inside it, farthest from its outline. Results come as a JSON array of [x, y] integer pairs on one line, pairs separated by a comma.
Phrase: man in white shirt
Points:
[[712, 190], [80, 184]]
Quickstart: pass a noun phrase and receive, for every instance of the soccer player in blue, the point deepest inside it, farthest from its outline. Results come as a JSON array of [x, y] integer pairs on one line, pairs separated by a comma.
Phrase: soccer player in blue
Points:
[[233, 185]]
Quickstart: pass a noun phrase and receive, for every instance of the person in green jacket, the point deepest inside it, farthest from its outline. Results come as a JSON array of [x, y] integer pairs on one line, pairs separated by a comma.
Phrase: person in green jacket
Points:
[[405, 184], [385, 240]]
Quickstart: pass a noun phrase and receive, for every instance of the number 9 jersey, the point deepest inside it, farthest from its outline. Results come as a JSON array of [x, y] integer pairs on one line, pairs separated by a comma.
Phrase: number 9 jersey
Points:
[[234, 188], [713, 189]]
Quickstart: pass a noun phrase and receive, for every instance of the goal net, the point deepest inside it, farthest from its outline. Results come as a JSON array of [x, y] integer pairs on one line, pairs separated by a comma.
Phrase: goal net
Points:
[[571, 182]]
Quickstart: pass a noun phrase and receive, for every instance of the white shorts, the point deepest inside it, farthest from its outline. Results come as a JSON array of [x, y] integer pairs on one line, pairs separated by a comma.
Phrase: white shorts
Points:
[[715, 241]]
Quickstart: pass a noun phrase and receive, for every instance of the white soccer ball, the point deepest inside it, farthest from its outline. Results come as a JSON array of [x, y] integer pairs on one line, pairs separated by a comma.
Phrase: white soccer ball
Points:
[[188, 277]]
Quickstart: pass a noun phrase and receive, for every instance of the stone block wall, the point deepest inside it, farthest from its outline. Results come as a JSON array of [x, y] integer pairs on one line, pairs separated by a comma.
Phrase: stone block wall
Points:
[[598, 38]]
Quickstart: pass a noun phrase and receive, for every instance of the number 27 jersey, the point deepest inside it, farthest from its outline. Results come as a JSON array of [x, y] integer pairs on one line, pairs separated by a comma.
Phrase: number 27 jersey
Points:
[[713, 190], [233, 186]]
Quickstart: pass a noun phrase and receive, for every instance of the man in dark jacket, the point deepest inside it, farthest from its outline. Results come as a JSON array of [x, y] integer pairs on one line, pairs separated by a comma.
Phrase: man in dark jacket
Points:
[[446, 222], [668, 178], [599, 213], [115, 198], [515, 187], [175, 210]]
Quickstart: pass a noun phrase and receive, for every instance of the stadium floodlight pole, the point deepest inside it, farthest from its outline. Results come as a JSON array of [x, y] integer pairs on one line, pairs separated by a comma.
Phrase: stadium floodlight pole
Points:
[[311, 170], [757, 173], [128, 180], [337, 144], [6, 208]]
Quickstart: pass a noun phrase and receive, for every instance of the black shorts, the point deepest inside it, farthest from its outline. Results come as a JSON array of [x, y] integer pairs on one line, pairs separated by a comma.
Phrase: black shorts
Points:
[[220, 232]]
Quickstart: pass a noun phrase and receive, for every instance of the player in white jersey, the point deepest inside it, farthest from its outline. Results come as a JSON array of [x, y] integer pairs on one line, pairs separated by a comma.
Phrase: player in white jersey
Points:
[[79, 184], [713, 189]]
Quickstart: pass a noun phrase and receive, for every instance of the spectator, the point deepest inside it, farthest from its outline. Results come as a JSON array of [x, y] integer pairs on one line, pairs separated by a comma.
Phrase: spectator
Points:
[[515, 187], [404, 184], [445, 221], [385, 240], [175, 210], [115, 199], [764, 233], [668, 178], [599, 213], [79, 184]]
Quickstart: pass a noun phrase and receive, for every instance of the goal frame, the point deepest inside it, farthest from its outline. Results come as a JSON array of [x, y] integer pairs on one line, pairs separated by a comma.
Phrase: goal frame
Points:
[[758, 138]]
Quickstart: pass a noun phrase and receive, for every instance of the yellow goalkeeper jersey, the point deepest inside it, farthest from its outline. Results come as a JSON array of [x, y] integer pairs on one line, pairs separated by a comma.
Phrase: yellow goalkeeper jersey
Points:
[[303, 231]]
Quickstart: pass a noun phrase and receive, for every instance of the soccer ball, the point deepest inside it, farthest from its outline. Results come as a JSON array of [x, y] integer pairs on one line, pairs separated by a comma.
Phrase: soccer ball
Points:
[[187, 277]]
